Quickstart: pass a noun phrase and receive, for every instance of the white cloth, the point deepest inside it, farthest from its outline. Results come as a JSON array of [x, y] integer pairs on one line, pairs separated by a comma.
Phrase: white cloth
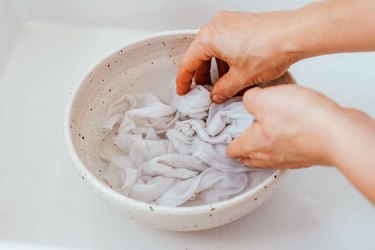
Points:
[[142, 114], [173, 153], [195, 104]]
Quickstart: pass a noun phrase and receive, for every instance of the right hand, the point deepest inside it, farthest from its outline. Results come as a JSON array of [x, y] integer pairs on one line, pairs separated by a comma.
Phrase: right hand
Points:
[[292, 128], [253, 45], [298, 127]]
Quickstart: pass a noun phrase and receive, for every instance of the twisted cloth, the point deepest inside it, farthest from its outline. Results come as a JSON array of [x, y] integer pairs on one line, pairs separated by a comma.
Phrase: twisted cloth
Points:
[[170, 154]]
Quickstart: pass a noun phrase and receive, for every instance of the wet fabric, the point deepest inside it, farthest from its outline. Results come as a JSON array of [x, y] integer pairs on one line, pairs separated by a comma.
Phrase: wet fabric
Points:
[[171, 153]]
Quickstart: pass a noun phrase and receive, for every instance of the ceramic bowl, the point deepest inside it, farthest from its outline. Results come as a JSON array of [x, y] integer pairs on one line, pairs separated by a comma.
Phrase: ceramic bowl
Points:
[[148, 65]]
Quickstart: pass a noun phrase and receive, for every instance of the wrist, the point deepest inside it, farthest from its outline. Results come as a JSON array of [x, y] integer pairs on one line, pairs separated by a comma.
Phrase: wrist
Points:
[[311, 30], [325, 131], [293, 43], [327, 27], [353, 144], [351, 136], [334, 136]]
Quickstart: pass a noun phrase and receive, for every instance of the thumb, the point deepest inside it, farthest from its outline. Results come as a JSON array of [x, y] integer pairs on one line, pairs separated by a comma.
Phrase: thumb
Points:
[[252, 100], [226, 87]]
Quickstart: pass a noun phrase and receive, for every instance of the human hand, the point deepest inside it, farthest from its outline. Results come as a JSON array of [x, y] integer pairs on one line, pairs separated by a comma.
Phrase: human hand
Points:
[[254, 46], [298, 127], [261, 46], [292, 128]]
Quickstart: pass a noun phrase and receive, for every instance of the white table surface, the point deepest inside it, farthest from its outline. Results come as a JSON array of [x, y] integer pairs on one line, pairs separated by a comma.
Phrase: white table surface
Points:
[[44, 201]]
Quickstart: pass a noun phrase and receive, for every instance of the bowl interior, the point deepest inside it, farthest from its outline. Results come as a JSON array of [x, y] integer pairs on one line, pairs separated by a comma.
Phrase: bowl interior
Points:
[[146, 66]]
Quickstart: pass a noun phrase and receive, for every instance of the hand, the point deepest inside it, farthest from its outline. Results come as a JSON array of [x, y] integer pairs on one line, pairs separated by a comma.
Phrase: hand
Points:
[[297, 127], [261, 46], [252, 44], [292, 128]]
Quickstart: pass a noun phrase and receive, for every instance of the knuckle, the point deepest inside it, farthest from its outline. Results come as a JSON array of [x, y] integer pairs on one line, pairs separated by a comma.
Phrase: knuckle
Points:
[[204, 32], [219, 21], [220, 15], [356, 112], [262, 156]]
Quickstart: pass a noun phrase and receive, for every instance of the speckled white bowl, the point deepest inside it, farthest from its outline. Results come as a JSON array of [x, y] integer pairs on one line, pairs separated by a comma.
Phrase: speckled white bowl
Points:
[[146, 66]]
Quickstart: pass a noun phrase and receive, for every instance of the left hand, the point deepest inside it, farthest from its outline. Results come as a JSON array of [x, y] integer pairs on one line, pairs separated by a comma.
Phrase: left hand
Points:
[[246, 42]]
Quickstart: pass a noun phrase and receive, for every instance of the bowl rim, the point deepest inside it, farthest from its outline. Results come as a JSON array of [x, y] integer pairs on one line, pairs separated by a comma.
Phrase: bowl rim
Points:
[[94, 183]]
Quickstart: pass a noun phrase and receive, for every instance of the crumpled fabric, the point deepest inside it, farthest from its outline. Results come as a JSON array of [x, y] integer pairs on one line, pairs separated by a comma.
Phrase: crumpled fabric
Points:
[[173, 153]]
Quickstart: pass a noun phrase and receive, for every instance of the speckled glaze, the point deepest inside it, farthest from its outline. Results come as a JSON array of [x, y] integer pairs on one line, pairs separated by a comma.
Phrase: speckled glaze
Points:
[[146, 66]]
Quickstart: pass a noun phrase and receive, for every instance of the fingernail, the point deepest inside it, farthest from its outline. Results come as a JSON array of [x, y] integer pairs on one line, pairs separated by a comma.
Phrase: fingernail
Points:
[[218, 98]]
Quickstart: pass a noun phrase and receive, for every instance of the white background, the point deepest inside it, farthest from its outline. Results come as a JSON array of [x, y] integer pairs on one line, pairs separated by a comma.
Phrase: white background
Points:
[[47, 47]]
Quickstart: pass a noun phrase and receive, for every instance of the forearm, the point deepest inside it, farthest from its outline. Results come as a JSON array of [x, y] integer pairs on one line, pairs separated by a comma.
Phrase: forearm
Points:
[[353, 151], [331, 27]]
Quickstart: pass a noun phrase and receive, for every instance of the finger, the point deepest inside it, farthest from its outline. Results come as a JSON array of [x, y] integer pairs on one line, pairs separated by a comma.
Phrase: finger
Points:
[[252, 102], [222, 67], [275, 162], [246, 143], [252, 163], [196, 55], [289, 164], [202, 74], [226, 87]]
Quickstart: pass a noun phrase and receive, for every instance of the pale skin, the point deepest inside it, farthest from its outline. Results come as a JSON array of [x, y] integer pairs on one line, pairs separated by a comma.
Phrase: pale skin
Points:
[[262, 46]]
